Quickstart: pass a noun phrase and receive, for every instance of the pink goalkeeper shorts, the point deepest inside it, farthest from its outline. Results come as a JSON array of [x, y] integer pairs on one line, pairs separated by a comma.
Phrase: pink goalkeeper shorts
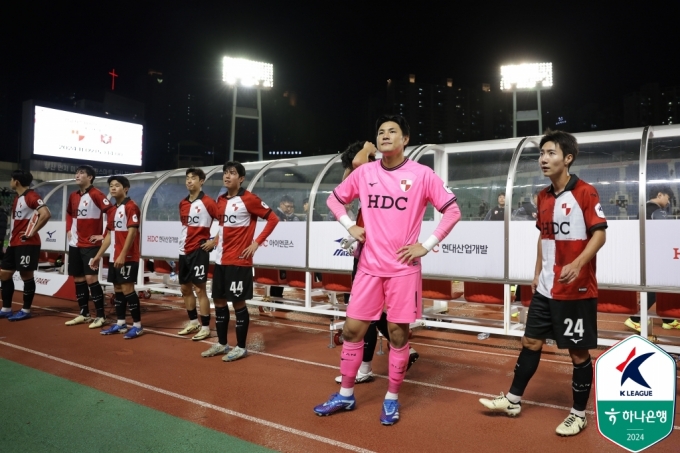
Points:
[[401, 295]]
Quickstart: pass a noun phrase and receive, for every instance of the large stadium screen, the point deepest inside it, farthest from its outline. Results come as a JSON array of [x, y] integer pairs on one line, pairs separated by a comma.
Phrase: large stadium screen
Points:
[[86, 138]]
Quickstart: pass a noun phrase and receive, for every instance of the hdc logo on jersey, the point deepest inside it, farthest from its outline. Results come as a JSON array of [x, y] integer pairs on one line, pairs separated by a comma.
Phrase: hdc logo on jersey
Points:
[[566, 209], [635, 387], [405, 184]]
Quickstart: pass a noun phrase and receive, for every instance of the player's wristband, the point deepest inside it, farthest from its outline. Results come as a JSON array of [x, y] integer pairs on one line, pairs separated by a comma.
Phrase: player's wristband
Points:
[[346, 222], [430, 243]]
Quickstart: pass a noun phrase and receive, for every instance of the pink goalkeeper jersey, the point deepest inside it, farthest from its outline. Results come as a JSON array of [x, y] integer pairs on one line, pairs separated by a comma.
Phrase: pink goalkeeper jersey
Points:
[[393, 201]]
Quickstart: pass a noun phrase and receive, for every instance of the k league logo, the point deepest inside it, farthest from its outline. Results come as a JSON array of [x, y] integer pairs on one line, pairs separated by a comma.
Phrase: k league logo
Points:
[[635, 387]]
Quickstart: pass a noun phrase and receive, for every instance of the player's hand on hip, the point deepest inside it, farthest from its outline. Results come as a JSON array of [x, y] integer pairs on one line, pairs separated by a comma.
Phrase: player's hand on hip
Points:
[[410, 252], [209, 245], [569, 273], [357, 233], [94, 238], [249, 251]]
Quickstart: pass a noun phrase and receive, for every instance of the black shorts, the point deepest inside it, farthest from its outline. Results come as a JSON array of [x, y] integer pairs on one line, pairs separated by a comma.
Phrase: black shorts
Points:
[[127, 273], [571, 323], [21, 258], [79, 261], [232, 283], [193, 268]]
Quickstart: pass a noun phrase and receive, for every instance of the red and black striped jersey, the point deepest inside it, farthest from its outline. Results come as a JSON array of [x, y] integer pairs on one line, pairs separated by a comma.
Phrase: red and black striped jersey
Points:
[[196, 217], [566, 223], [126, 215], [23, 207], [238, 218], [84, 216]]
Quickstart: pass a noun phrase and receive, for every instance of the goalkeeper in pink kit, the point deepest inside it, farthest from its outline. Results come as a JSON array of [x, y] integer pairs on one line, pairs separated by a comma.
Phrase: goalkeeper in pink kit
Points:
[[393, 193]]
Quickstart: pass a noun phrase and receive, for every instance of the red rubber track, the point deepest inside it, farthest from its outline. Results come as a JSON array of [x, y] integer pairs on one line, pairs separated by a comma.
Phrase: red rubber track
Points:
[[294, 371]]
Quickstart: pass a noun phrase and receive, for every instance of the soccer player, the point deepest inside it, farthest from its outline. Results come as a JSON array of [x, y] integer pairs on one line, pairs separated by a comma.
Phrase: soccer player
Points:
[[356, 154], [196, 212], [84, 226], [564, 306], [393, 193], [123, 222], [238, 211], [24, 246]]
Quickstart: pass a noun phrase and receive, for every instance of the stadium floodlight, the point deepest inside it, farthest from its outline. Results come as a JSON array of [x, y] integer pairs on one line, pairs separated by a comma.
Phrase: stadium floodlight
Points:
[[240, 72], [247, 73], [527, 76]]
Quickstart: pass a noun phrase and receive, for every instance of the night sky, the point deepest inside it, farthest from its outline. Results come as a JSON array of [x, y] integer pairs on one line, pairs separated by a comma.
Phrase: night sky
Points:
[[335, 54]]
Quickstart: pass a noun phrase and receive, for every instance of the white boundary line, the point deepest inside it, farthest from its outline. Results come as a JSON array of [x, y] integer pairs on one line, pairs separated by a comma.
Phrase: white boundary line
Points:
[[410, 381], [187, 399]]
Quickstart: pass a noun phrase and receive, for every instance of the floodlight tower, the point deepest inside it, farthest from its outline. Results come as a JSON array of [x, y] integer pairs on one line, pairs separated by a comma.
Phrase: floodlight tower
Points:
[[526, 77], [242, 73]]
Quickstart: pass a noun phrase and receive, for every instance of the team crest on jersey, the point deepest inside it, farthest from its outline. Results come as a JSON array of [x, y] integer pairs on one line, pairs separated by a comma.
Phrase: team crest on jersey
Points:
[[405, 184], [599, 211], [566, 208], [106, 201], [448, 189], [134, 218], [40, 202], [264, 205]]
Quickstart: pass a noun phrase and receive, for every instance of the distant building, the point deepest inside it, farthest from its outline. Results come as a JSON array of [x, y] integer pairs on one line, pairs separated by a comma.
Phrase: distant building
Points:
[[442, 113]]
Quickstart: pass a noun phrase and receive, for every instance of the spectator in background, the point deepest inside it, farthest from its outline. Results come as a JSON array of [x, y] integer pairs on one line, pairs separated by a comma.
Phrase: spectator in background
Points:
[[498, 212], [528, 210], [657, 209], [286, 213], [315, 214], [286, 210]]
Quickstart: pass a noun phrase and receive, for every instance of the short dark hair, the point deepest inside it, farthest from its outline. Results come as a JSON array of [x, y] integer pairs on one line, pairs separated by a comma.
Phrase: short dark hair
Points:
[[287, 199], [664, 189], [350, 153], [400, 120], [500, 193], [196, 172], [567, 142], [305, 201], [89, 170], [25, 178], [240, 169], [121, 179]]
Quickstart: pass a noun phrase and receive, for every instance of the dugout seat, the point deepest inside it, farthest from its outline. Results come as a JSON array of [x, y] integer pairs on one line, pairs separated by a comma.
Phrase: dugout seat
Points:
[[617, 301], [270, 277], [296, 279], [484, 293], [439, 290], [162, 267], [339, 283], [668, 305]]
